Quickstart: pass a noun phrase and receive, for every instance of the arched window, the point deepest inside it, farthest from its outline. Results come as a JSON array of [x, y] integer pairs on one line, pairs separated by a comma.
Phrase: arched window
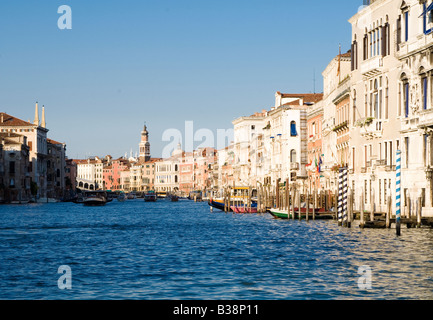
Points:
[[293, 132], [404, 95], [293, 156]]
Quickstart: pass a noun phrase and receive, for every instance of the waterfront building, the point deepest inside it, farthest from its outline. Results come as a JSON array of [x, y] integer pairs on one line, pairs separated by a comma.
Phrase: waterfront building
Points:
[[167, 173], [118, 166], [336, 78], [248, 131], [204, 160], [413, 48], [387, 90], [36, 134], [224, 168], [56, 169], [90, 173], [287, 137], [148, 174], [315, 152], [70, 176], [272, 145], [186, 174], [14, 168]]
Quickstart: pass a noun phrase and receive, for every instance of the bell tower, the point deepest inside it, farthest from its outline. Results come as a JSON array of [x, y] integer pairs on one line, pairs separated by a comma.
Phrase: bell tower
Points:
[[145, 145]]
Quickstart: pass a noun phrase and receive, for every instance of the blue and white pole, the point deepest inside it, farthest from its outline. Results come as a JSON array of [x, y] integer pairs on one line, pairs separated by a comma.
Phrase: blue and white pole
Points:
[[398, 194]]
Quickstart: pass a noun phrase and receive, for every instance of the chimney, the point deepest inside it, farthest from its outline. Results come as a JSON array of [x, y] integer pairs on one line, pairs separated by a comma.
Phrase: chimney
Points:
[[43, 124], [2, 118], [36, 121]]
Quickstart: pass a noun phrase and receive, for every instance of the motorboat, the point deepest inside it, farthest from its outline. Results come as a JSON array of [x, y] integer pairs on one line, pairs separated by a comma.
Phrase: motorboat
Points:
[[95, 198]]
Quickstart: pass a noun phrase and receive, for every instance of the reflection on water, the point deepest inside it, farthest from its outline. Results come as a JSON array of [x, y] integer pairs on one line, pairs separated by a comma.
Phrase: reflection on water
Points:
[[166, 250]]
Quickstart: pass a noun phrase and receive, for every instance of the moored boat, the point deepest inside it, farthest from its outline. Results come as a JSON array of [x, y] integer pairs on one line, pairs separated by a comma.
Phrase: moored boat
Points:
[[320, 214], [150, 196], [173, 198], [121, 197]]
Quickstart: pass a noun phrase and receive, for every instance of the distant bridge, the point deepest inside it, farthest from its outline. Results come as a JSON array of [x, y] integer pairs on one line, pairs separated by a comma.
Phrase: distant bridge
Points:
[[87, 185]]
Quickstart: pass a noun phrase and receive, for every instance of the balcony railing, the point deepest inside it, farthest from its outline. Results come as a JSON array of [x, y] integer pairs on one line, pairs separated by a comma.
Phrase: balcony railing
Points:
[[381, 162], [390, 168], [294, 166], [372, 66], [370, 128]]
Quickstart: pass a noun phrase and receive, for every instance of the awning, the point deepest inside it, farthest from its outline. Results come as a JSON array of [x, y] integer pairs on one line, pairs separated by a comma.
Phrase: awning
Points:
[[429, 8]]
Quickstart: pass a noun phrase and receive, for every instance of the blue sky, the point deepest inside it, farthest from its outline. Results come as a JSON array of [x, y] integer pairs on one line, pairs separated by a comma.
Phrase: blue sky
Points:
[[162, 62]]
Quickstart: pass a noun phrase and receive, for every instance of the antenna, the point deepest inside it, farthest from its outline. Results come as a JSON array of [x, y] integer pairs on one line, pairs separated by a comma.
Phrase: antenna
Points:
[[314, 80]]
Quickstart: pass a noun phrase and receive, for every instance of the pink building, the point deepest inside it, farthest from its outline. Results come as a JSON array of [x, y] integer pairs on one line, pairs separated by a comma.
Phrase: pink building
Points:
[[205, 159], [186, 173], [112, 174]]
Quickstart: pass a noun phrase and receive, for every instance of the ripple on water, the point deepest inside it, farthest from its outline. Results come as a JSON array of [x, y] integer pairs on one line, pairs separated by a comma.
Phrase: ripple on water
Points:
[[163, 250]]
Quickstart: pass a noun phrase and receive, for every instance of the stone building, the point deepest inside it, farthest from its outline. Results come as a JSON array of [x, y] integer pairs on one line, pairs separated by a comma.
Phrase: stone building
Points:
[[14, 168]]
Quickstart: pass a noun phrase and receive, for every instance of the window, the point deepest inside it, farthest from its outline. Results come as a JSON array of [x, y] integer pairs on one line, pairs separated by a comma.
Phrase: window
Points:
[[293, 131], [12, 167], [398, 33], [424, 92], [365, 53], [406, 146], [293, 156], [386, 102], [385, 39], [380, 191], [365, 192], [423, 197], [354, 108], [406, 28], [354, 58], [406, 99]]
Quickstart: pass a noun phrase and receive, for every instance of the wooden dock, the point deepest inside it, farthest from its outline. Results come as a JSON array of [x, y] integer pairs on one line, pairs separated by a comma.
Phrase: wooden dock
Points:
[[291, 202]]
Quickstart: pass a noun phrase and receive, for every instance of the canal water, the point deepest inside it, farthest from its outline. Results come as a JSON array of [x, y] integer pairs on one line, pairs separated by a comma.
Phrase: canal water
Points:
[[183, 251]]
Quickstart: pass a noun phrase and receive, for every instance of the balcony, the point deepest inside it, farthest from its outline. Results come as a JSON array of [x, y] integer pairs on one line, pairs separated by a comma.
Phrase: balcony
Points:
[[381, 162], [425, 119], [390, 168], [363, 170], [372, 67], [294, 166], [370, 128]]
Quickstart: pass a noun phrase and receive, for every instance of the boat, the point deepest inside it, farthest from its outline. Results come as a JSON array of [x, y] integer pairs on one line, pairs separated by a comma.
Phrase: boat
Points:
[[95, 198], [150, 196], [238, 201], [376, 224], [79, 199], [121, 197], [132, 196], [320, 214], [110, 195], [243, 209], [173, 198], [195, 195]]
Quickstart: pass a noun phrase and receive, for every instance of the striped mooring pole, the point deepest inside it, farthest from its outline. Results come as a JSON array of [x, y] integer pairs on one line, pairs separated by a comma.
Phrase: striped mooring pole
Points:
[[340, 197], [398, 194], [345, 196]]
